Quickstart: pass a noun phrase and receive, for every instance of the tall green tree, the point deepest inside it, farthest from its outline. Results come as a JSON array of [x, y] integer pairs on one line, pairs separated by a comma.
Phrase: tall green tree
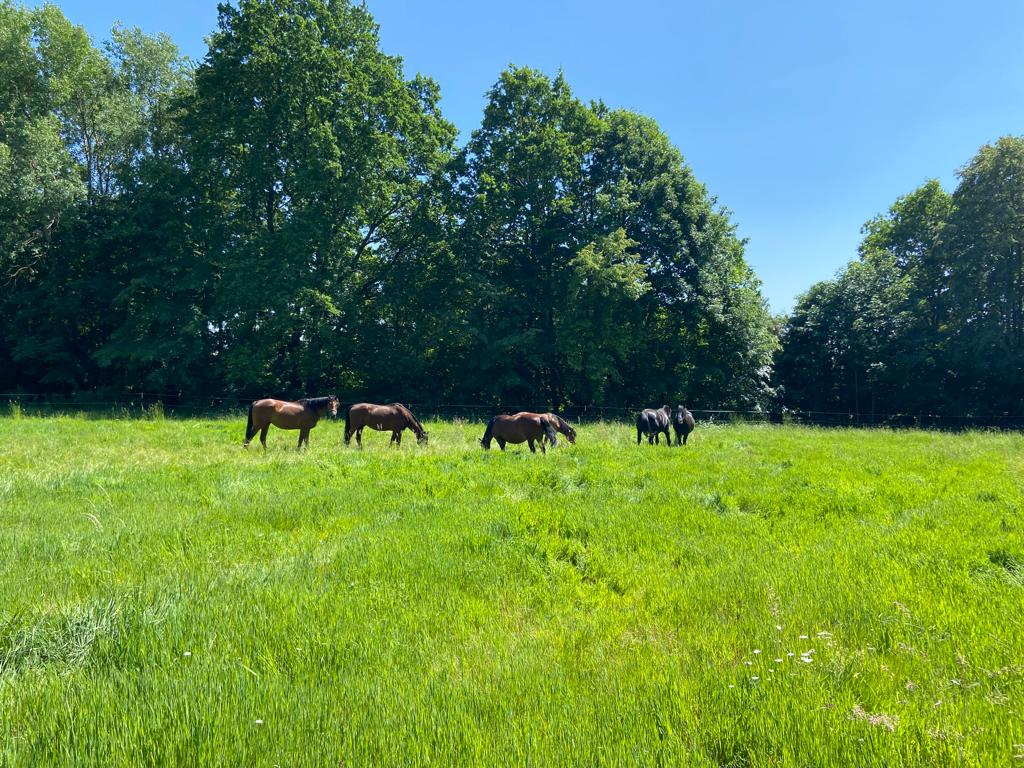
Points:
[[522, 185], [930, 319], [310, 153], [602, 270], [986, 264], [99, 127], [706, 333]]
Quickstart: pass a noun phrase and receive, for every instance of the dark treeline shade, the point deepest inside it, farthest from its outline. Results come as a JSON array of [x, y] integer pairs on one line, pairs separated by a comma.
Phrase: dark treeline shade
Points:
[[292, 215], [930, 318]]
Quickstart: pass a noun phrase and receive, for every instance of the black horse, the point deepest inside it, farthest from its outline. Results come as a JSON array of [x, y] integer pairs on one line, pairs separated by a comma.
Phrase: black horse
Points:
[[652, 423], [682, 423]]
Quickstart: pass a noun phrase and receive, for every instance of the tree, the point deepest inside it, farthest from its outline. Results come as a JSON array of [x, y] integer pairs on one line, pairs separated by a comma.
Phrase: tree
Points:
[[70, 282], [555, 196], [521, 190], [986, 264], [309, 152]]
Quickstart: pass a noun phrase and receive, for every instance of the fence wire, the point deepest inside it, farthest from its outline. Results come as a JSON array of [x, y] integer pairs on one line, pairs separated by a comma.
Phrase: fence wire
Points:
[[150, 404]]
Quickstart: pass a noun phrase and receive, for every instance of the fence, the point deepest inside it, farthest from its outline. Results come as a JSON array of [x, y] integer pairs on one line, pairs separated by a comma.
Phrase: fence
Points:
[[150, 404]]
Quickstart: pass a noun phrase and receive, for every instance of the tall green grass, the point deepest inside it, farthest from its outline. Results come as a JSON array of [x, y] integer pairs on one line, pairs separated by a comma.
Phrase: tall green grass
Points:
[[767, 596]]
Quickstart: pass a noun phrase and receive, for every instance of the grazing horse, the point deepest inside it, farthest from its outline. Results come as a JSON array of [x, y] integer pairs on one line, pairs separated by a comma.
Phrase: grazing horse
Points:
[[652, 423], [521, 428], [560, 425], [302, 416], [384, 418], [682, 423]]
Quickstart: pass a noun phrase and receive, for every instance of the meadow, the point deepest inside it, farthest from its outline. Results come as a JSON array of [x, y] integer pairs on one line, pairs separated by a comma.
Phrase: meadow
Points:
[[766, 596]]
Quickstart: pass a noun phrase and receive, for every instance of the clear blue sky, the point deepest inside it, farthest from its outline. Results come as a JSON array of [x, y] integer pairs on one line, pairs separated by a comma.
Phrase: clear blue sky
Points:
[[804, 118]]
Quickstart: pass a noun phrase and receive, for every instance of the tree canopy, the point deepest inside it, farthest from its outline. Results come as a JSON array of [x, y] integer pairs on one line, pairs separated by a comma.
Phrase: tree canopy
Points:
[[293, 214], [929, 319]]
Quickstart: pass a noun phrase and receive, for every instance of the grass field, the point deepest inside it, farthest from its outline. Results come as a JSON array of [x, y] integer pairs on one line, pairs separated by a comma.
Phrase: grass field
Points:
[[767, 596]]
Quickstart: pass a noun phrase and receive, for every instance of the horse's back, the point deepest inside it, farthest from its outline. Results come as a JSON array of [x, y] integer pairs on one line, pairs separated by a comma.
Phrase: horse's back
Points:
[[269, 404], [379, 417]]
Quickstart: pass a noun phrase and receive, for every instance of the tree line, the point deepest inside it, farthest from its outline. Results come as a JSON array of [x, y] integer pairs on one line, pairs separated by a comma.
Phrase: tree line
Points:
[[294, 215], [930, 318]]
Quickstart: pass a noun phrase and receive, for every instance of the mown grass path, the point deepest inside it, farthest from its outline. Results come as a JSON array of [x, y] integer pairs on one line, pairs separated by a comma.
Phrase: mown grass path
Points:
[[767, 596]]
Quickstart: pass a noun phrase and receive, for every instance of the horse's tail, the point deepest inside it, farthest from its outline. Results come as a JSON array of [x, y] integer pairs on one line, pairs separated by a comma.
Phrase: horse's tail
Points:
[[348, 425], [485, 441], [248, 425]]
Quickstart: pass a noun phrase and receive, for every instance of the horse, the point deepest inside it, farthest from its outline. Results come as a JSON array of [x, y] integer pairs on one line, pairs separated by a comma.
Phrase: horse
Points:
[[652, 423], [283, 414], [383, 418], [522, 427], [682, 423], [560, 425]]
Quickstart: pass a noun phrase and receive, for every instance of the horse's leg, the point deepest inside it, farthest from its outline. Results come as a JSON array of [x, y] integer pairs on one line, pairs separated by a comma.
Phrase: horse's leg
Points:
[[685, 435], [359, 438], [668, 439], [303, 437], [263, 435], [533, 448], [501, 442], [542, 448], [639, 435]]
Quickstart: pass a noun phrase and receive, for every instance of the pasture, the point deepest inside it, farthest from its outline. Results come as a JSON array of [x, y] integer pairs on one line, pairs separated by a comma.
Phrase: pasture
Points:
[[766, 596]]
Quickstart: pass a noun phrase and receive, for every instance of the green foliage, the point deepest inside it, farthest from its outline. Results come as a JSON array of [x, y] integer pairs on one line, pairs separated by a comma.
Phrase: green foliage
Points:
[[310, 152], [168, 598], [37, 177], [291, 215], [930, 319], [547, 187]]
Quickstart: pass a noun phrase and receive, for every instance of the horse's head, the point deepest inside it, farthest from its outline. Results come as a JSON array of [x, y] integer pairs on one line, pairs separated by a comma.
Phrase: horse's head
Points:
[[332, 406], [681, 413], [422, 437], [667, 410], [565, 429], [485, 443]]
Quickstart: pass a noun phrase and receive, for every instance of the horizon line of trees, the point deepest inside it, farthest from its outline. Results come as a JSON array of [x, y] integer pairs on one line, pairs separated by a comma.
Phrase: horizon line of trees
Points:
[[930, 318], [293, 215]]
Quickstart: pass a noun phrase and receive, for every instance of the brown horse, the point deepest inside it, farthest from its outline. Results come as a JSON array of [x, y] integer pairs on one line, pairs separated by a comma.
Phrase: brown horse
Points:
[[384, 418], [302, 416], [560, 425], [522, 427]]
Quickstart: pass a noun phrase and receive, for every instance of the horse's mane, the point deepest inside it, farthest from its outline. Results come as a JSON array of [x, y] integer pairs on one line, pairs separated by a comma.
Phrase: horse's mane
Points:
[[316, 402], [408, 414], [561, 422]]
